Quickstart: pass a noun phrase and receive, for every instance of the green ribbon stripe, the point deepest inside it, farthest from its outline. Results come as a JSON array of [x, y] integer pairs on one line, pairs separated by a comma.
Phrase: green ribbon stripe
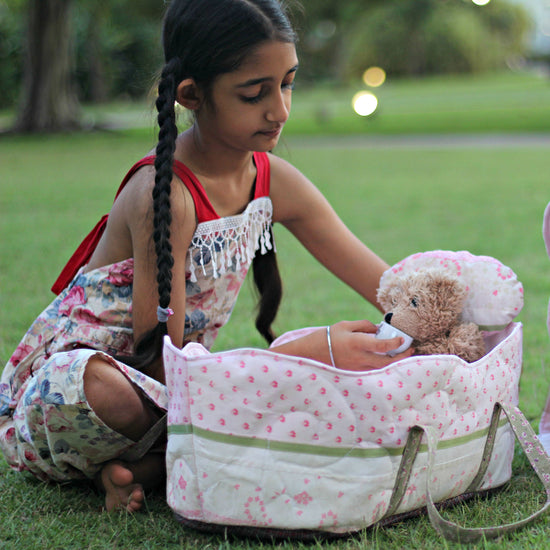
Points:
[[304, 448]]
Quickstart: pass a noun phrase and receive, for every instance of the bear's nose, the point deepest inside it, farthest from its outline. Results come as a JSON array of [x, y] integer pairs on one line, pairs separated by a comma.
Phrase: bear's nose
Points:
[[388, 317]]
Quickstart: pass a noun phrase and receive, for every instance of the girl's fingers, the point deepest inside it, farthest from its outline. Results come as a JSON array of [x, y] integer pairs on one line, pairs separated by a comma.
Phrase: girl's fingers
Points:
[[355, 347], [362, 325], [378, 361], [372, 353], [366, 341]]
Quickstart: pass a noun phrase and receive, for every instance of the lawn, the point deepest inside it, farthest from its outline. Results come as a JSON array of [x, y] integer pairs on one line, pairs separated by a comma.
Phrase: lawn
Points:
[[510, 102], [489, 103], [398, 199]]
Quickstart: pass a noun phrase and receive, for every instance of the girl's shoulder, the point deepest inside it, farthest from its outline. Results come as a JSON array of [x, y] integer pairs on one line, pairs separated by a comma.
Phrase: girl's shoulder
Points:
[[283, 173], [135, 195], [293, 195], [137, 187], [133, 208], [286, 179]]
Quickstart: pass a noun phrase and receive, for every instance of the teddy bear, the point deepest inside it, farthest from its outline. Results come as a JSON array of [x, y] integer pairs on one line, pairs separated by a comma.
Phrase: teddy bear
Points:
[[427, 306]]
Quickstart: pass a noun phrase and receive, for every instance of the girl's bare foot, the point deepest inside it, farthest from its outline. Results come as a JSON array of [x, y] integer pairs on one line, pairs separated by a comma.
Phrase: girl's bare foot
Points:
[[121, 492], [125, 410]]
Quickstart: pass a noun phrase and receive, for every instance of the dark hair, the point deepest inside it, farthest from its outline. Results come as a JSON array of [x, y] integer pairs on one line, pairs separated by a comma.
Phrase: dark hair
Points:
[[203, 40]]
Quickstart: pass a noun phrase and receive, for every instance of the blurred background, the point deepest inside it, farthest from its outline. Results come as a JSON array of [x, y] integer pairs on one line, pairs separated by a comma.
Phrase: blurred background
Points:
[[60, 58]]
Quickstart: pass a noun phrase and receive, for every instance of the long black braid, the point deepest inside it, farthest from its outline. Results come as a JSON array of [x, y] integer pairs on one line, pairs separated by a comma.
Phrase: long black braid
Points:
[[163, 178], [203, 40], [270, 291], [149, 348]]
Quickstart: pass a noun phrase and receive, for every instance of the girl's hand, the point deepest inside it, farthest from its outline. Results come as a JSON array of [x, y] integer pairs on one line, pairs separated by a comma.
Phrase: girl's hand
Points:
[[354, 346]]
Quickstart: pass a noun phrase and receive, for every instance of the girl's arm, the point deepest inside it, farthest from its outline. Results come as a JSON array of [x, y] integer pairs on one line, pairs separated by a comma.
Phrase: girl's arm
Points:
[[353, 344], [302, 208], [139, 215]]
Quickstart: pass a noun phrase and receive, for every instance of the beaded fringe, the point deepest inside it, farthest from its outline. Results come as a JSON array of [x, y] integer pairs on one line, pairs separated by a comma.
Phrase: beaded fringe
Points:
[[232, 241]]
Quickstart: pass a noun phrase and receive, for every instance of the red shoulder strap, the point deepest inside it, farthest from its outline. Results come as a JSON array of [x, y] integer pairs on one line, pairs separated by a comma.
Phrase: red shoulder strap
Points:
[[262, 175], [203, 207], [205, 211], [80, 257], [83, 253]]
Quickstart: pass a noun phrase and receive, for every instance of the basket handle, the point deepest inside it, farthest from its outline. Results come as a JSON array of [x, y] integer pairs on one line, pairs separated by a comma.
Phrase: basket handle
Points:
[[539, 460], [411, 449]]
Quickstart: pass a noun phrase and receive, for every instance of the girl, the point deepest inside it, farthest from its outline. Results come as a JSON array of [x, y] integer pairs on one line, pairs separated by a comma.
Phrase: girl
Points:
[[84, 394]]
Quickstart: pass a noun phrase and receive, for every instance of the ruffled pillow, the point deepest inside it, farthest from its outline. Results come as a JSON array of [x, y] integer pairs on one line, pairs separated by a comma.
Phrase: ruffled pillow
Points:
[[495, 296]]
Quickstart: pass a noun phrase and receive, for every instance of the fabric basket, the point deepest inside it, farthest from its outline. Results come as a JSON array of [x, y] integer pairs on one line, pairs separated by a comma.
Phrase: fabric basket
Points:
[[267, 443]]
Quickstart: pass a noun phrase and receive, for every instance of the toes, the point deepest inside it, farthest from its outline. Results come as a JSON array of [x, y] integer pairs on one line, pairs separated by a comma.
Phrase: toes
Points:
[[135, 502], [121, 493]]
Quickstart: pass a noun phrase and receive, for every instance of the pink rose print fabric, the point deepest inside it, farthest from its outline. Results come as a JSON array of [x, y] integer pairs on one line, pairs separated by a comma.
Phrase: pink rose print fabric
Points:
[[46, 425], [95, 313]]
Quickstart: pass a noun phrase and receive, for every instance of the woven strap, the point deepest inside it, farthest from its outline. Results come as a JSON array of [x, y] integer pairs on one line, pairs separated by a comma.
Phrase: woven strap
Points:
[[530, 444], [146, 443], [412, 447], [539, 460]]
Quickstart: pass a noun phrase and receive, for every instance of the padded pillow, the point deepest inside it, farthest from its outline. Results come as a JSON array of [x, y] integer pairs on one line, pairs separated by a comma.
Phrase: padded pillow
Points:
[[495, 296]]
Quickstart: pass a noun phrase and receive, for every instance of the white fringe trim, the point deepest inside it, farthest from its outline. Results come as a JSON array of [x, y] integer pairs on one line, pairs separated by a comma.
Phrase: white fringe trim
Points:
[[238, 238]]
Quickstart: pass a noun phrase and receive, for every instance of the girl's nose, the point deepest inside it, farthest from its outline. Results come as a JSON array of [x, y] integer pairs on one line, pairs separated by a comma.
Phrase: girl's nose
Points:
[[279, 108]]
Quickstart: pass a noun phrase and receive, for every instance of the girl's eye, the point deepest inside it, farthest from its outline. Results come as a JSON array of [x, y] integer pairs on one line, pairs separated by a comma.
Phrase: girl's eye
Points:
[[258, 97], [288, 85], [253, 99]]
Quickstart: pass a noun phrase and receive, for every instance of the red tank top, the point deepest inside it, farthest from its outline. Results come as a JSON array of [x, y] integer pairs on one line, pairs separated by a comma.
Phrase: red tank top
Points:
[[204, 209]]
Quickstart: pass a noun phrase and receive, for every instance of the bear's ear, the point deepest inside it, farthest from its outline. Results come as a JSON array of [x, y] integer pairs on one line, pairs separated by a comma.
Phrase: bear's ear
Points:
[[448, 292], [388, 296]]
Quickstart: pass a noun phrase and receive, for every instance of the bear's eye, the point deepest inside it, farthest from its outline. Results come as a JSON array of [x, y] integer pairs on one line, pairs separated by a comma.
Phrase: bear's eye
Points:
[[414, 302]]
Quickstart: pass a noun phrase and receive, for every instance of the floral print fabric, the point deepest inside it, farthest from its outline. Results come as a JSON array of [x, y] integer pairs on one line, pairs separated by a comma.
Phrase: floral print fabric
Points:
[[54, 433], [46, 425]]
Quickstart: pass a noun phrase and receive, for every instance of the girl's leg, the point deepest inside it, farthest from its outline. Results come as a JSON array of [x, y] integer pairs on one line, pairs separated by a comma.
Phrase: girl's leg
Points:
[[123, 408]]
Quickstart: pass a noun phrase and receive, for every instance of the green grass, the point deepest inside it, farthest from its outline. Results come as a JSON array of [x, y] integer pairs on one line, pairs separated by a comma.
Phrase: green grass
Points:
[[505, 102], [398, 200], [502, 102]]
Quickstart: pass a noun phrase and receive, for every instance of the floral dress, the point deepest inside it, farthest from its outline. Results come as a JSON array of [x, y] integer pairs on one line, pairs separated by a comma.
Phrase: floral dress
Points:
[[46, 424]]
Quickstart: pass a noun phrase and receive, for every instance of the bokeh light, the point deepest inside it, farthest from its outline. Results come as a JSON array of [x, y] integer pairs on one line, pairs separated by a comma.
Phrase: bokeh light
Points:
[[364, 103], [481, 2], [374, 77]]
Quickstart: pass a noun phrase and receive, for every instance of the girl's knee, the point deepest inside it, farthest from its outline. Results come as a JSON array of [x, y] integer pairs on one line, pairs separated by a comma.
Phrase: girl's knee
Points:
[[102, 381], [112, 397]]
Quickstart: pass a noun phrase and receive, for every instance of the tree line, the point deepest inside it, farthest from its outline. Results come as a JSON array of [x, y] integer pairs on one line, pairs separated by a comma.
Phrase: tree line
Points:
[[55, 54]]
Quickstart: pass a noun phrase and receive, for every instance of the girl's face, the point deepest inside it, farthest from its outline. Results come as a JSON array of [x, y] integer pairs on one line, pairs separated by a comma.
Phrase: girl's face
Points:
[[249, 107]]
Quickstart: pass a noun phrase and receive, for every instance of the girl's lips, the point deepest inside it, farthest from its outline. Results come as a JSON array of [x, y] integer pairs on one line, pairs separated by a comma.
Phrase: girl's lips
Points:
[[274, 132]]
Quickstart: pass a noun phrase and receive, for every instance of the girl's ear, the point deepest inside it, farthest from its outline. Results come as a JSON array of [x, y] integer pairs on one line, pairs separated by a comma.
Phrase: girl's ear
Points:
[[189, 95]]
